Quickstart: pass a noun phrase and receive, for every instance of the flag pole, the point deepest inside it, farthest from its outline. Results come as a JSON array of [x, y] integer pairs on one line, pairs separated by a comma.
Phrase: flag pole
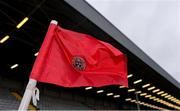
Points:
[[30, 88], [27, 95]]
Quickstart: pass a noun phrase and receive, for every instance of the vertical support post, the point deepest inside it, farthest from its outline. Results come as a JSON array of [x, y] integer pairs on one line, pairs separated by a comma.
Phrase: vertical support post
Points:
[[137, 100]]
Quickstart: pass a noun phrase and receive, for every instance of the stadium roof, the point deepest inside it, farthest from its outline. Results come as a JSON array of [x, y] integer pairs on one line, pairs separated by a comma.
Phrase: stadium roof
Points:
[[79, 16]]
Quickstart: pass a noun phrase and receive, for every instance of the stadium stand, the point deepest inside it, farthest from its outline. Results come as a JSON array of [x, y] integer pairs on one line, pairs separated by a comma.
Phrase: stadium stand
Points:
[[49, 102], [7, 101]]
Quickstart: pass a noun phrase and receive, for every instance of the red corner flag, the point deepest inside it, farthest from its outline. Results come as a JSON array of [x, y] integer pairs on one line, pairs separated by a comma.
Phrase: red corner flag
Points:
[[73, 59]]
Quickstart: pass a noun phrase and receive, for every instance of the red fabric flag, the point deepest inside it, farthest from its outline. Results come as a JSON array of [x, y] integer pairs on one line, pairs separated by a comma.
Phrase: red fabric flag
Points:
[[73, 59]]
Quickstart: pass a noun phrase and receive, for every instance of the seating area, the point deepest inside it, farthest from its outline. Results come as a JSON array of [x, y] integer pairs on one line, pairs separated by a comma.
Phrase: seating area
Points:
[[49, 103], [8, 101]]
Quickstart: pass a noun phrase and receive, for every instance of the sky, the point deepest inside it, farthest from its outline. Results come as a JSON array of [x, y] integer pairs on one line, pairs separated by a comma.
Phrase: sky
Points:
[[153, 25]]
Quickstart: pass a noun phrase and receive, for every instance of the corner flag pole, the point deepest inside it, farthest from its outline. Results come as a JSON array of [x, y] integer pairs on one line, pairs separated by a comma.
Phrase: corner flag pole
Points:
[[27, 95], [30, 88]]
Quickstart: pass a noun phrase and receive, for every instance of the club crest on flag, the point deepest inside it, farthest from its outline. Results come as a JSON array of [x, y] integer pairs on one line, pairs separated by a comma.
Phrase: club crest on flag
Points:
[[78, 63]]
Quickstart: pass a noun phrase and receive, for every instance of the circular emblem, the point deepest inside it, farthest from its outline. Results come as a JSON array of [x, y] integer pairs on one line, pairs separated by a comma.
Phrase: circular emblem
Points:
[[79, 63]]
